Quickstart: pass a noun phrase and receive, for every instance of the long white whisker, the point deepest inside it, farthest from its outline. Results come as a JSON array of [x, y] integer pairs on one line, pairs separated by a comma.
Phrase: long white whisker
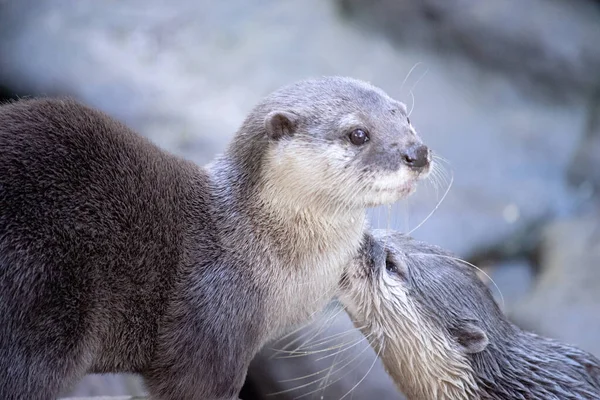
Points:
[[419, 80], [320, 379], [408, 75], [436, 207], [364, 377]]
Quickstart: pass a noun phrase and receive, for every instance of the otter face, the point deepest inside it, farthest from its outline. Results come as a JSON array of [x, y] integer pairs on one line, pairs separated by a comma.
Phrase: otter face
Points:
[[424, 312], [343, 141]]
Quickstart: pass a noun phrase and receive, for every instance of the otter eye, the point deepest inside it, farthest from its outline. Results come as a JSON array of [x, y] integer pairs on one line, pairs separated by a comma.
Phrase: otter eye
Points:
[[358, 137], [408, 120], [392, 268]]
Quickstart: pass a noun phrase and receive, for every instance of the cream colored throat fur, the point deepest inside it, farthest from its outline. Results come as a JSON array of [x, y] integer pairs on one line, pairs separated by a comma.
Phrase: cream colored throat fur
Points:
[[423, 363], [313, 229], [312, 250]]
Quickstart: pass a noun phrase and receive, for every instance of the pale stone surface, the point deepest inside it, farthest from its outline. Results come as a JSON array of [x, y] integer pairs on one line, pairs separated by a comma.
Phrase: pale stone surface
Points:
[[565, 300], [552, 43]]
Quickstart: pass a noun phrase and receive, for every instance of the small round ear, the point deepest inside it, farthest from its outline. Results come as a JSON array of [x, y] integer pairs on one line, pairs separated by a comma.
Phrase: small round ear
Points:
[[281, 123], [470, 337]]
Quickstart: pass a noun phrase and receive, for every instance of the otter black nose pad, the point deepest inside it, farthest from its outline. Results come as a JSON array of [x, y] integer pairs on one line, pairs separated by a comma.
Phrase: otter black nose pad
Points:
[[416, 156]]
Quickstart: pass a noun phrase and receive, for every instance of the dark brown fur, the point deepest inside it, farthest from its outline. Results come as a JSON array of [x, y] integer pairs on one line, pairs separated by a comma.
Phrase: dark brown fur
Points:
[[83, 212]]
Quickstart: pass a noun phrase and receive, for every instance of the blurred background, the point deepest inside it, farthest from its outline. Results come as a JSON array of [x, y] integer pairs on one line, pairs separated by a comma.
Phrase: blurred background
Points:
[[506, 91]]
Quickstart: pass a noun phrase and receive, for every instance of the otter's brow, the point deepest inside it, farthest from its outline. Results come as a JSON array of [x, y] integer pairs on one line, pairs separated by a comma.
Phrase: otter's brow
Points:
[[350, 121], [399, 107]]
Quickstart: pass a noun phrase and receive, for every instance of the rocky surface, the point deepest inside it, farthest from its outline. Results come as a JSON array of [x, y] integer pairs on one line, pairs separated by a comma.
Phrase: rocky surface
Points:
[[185, 74], [108, 385], [551, 43], [565, 299], [583, 170]]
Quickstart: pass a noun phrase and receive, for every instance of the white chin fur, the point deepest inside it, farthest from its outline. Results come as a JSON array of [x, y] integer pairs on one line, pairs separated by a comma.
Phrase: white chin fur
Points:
[[300, 169], [392, 187]]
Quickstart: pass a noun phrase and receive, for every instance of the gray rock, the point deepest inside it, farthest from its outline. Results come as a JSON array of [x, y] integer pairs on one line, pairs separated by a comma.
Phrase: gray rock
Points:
[[512, 281], [552, 42], [108, 385], [584, 168], [564, 301]]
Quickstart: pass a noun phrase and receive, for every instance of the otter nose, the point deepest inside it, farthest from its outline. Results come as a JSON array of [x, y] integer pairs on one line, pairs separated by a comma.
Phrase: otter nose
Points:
[[416, 156]]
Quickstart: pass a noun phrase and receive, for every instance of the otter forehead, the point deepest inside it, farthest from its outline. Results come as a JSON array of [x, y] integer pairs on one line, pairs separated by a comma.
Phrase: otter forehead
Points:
[[334, 93], [442, 283]]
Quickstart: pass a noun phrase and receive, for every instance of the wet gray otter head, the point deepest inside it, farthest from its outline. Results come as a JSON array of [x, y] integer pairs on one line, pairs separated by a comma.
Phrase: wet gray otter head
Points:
[[441, 335], [116, 256]]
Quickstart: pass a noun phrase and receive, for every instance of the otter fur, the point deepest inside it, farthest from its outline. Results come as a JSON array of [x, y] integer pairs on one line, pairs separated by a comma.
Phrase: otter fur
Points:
[[116, 256], [441, 335]]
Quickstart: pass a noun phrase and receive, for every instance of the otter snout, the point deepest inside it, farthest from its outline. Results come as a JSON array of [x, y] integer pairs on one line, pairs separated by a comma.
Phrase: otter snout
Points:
[[416, 156]]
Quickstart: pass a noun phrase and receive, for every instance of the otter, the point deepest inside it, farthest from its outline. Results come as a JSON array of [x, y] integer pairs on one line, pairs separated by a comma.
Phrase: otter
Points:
[[441, 335], [116, 256]]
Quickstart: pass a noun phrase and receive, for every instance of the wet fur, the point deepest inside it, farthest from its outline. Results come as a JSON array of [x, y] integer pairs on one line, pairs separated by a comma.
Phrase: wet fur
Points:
[[441, 335], [118, 257]]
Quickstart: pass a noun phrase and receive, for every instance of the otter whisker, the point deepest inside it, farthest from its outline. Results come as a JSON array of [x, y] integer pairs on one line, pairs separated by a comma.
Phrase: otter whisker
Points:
[[314, 332], [306, 376], [406, 214], [435, 182], [328, 375], [408, 75], [412, 106], [301, 353], [413, 88], [343, 346], [469, 264], [287, 335], [435, 208], [331, 338], [324, 381], [436, 156], [320, 379], [297, 351], [365, 376], [438, 175], [346, 348], [323, 323], [300, 328]]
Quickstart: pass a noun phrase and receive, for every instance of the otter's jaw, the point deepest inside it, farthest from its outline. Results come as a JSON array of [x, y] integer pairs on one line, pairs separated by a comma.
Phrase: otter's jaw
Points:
[[396, 186]]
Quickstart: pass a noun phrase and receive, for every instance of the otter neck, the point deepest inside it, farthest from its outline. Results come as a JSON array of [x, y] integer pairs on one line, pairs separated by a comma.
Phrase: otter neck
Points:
[[297, 228], [299, 248], [309, 229], [546, 367]]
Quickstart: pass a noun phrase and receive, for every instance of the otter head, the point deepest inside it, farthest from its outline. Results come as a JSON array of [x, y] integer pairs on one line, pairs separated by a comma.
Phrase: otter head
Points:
[[332, 141], [426, 314]]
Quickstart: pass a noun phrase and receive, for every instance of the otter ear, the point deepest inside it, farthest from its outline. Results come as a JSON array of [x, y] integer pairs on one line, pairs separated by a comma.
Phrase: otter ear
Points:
[[471, 337], [281, 123]]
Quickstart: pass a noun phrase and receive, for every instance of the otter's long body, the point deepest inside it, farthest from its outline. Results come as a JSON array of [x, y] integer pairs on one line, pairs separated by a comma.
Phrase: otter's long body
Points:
[[118, 257], [441, 335]]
